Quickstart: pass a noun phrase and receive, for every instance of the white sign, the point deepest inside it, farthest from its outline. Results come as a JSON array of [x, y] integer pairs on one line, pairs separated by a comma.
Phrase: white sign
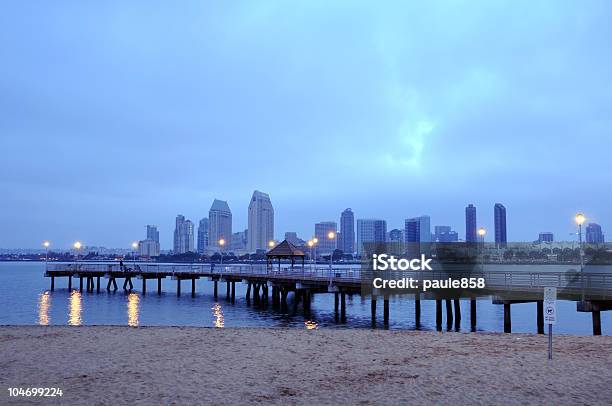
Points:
[[550, 305]]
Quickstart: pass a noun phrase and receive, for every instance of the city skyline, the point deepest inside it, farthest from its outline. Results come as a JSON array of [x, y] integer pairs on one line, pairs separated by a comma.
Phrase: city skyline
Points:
[[387, 115]]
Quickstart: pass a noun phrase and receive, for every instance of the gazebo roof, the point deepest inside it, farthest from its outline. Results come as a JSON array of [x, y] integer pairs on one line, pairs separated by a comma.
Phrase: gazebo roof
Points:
[[285, 249]]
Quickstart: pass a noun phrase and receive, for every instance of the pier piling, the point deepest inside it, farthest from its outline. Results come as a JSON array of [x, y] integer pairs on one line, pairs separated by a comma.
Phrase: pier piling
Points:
[[596, 315], [439, 314], [343, 307], [215, 289], [144, 285], [449, 314], [52, 283], [540, 317], [159, 286], [193, 284], [233, 292], [178, 286], [417, 311], [386, 311], [473, 314], [507, 319], [457, 305], [69, 283], [373, 309]]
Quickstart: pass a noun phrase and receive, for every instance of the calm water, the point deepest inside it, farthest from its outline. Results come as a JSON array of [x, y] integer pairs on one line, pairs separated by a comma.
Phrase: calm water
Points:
[[25, 299]]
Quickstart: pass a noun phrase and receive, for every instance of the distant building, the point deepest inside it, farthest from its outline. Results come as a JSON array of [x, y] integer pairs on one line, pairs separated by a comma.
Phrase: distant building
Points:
[[470, 224], [261, 221], [183, 235], [594, 235], [417, 229], [292, 237], [545, 236], [346, 241], [203, 235], [322, 229], [501, 239], [369, 231], [152, 233], [148, 248], [219, 224], [445, 234], [395, 235], [239, 241]]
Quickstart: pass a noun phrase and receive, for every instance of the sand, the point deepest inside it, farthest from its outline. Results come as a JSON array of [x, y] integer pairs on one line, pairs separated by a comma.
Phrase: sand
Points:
[[186, 366]]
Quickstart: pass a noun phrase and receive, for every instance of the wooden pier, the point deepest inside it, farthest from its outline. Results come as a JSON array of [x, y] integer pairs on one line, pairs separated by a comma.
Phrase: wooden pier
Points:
[[265, 285]]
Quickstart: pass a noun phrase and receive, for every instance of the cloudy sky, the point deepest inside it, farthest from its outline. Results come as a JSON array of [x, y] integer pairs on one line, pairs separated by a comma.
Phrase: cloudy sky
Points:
[[117, 114]]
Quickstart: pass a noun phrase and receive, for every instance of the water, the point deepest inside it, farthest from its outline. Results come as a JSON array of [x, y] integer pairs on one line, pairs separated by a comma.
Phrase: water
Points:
[[25, 299]]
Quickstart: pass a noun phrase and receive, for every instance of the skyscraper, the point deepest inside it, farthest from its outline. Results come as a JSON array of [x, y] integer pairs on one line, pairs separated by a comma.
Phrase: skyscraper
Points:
[[546, 236], [322, 229], [470, 224], [417, 229], [594, 235], [183, 235], [369, 231], [152, 233], [445, 234], [261, 222], [219, 224], [203, 235], [347, 232], [500, 225]]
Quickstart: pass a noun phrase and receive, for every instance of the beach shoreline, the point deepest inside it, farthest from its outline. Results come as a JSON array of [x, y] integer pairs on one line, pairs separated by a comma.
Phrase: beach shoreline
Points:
[[194, 365]]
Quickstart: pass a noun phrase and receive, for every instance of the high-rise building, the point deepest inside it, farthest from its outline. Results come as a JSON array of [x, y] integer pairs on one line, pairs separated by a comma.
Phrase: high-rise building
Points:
[[292, 237], [395, 235], [189, 234], [261, 221], [500, 225], [219, 224], [239, 241], [152, 233], [546, 236], [417, 229], [594, 235], [346, 241], [322, 229], [203, 235], [369, 231], [148, 248], [180, 245], [445, 234], [470, 224]]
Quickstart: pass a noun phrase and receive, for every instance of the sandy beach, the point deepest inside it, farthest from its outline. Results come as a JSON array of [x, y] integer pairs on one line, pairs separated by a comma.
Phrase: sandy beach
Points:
[[179, 365]]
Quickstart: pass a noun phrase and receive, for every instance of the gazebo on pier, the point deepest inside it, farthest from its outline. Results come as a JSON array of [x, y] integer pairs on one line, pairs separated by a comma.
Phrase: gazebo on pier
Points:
[[284, 250]]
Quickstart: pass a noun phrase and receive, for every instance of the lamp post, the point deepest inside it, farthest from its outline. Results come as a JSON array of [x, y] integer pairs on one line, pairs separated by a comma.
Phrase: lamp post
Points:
[[77, 246], [331, 236], [311, 245], [315, 241], [580, 219], [481, 234], [46, 244], [134, 248], [221, 244]]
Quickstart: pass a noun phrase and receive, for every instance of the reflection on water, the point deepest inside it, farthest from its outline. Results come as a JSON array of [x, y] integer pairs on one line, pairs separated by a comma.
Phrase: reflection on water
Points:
[[44, 304], [310, 325], [133, 309], [218, 313], [75, 309]]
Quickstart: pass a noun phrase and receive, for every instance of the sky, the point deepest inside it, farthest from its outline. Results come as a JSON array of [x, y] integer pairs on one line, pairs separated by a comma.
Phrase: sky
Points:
[[118, 114]]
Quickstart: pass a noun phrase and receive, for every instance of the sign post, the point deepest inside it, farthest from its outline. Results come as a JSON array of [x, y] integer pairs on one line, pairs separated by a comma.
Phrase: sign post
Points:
[[550, 314]]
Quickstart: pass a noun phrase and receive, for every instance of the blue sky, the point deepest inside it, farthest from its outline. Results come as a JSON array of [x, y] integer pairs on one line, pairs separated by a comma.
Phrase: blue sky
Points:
[[118, 114]]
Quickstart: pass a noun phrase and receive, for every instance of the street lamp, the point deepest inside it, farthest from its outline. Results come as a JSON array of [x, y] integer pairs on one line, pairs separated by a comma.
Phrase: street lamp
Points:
[[271, 243], [481, 234], [221, 244], [311, 245], [134, 247], [580, 219], [77, 246], [315, 241], [46, 244], [331, 236]]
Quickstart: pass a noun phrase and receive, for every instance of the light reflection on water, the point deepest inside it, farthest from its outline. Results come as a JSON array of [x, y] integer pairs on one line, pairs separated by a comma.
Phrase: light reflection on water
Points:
[[44, 304], [133, 309], [75, 309], [311, 325], [218, 314]]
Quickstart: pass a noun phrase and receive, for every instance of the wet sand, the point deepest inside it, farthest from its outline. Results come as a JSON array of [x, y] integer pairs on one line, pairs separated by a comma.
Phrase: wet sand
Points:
[[180, 365]]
